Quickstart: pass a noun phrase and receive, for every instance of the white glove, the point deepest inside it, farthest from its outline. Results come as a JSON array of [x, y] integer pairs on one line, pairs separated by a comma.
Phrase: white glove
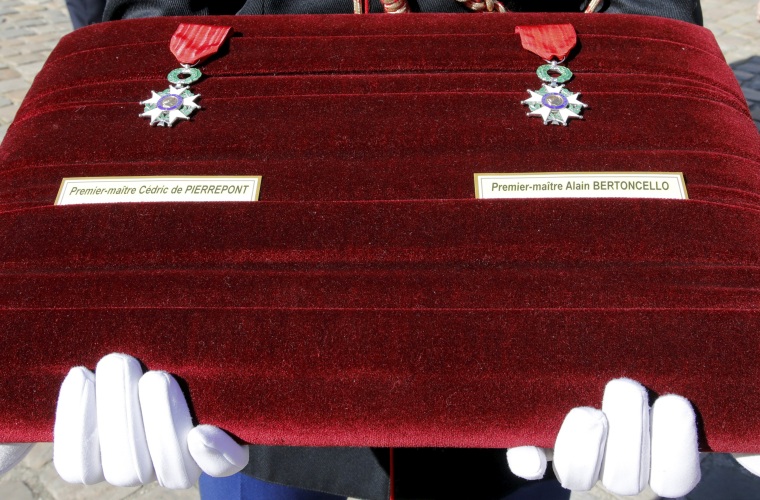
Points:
[[129, 429], [619, 445], [749, 461], [527, 462], [11, 454], [616, 444]]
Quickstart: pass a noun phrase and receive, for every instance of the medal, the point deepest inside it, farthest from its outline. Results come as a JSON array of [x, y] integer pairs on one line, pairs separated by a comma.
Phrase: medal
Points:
[[554, 103], [190, 44]]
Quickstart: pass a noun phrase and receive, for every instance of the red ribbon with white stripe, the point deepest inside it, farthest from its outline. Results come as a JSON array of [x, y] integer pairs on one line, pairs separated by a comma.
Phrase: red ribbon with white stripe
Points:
[[548, 41], [193, 43]]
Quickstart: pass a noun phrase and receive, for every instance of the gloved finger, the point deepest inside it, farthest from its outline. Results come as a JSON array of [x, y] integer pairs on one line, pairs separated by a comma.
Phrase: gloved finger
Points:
[[625, 470], [167, 423], [123, 446], [749, 461], [11, 454], [76, 446], [675, 449], [527, 462], [217, 454], [579, 449]]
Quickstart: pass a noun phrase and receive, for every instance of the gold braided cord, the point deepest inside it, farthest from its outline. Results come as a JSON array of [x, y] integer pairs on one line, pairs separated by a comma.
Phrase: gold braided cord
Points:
[[592, 6], [484, 5], [395, 6], [402, 6]]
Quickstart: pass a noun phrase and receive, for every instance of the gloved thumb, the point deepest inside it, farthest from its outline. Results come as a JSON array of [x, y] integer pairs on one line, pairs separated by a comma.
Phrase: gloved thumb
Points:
[[11, 454], [527, 462], [215, 452]]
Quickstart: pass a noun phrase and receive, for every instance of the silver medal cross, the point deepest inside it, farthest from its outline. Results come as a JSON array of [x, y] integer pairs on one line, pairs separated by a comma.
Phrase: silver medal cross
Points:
[[175, 103], [553, 102]]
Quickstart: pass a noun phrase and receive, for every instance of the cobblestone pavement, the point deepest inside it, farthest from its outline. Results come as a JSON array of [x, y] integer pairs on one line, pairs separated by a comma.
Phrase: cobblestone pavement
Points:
[[35, 478], [735, 25], [29, 29]]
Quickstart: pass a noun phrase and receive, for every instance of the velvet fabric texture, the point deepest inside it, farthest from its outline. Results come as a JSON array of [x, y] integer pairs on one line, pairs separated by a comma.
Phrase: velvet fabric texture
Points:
[[368, 299]]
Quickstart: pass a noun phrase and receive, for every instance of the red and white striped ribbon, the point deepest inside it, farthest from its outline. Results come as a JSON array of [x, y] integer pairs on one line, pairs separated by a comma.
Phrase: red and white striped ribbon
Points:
[[548, 41], [192, 43]]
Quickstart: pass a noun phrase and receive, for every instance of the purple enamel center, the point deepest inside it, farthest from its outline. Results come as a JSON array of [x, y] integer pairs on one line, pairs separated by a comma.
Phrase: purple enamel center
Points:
[[554, 101], [169, 102]]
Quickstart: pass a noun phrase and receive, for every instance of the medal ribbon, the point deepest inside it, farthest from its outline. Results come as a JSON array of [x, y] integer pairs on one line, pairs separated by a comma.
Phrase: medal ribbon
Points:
[[193, 43], [548, 41]]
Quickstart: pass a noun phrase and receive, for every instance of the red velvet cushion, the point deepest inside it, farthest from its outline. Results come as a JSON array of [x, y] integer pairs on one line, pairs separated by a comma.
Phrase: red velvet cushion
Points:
[[368, 298]]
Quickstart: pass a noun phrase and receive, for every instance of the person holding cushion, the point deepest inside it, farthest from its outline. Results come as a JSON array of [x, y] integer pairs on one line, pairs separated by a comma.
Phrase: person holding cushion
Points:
[[128, 428]]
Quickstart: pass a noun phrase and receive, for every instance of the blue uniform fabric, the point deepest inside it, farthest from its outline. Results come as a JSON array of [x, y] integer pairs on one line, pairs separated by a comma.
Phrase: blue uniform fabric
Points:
[[85, 12], [244, 487]]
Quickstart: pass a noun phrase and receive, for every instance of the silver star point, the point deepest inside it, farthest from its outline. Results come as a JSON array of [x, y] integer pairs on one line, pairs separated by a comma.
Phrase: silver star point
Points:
[[166, 118], [553, 116]]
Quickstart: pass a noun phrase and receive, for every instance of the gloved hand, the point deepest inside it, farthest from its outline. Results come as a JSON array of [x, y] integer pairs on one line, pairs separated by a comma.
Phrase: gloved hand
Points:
[[128, 428], [618, 445], [11, 454]]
